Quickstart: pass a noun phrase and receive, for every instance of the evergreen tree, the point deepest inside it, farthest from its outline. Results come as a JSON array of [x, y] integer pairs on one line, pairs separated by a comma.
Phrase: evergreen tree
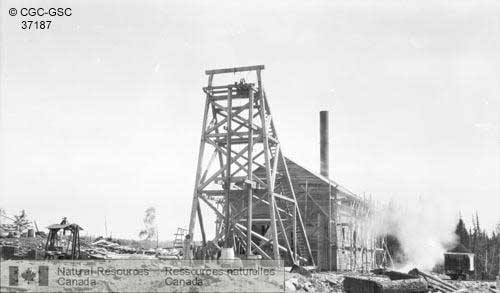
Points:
[[462, 234], [486, 247]]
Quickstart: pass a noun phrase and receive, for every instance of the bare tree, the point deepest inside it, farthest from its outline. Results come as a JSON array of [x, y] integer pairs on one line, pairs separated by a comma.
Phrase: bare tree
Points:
[[21, 222], [150, 232]]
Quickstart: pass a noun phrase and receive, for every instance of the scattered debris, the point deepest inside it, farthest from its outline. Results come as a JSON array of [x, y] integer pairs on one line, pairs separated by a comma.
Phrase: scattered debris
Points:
[[300, 270], [475, 286], [383, 284], [375, 281], [291, 285], [21, 248], [105, 249], [317, 282]]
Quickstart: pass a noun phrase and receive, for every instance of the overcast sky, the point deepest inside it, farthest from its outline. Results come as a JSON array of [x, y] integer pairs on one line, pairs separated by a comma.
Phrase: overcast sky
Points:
[[101, 114]]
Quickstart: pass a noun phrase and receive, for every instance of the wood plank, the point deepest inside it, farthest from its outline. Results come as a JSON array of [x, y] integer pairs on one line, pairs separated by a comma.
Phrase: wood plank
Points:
[[234, 69], [284, 197], [229, 86], [270, 187], [264, 255], [289, 249]]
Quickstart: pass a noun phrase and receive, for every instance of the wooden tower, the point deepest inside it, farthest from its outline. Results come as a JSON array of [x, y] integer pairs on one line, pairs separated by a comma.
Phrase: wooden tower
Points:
[[255, 215]]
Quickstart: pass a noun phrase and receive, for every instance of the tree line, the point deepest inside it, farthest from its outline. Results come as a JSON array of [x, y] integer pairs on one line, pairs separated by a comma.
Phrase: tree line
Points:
[[486, 247]]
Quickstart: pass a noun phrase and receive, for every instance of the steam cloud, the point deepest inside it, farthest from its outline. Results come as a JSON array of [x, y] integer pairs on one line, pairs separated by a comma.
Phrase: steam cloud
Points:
[[424, 227]]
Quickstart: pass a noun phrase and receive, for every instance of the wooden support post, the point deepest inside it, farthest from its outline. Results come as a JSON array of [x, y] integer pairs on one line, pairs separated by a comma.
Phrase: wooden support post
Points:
[[73, 243], [319, 240], [216, 130], [194, 206], [79, 244], [270, 187], [294, 232], [301, 222], [329, 227], [305, 199], [289, 249], [228, 239], [202, 227], [335, 236], [250, 174]]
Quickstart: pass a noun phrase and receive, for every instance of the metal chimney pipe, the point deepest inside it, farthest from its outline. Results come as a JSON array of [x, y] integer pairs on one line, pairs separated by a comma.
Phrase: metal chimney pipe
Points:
[[323, 144]]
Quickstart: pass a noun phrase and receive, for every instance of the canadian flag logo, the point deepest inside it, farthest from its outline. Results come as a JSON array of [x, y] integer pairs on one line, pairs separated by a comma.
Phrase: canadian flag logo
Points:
[[29, 276]]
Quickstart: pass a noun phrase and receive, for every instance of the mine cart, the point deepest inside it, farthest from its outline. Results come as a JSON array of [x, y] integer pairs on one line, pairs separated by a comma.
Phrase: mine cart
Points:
[[63, 241], [459, 263]]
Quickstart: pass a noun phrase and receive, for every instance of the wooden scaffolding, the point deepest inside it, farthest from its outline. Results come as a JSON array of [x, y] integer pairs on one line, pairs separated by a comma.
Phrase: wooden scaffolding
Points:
[[254, 214]]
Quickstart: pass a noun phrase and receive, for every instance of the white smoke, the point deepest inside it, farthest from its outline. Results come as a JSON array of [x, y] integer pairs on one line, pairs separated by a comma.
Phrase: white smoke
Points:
[[424, 227]]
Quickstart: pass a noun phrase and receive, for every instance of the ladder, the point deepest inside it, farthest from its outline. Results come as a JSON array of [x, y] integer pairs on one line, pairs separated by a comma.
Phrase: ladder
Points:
[[179, 237]]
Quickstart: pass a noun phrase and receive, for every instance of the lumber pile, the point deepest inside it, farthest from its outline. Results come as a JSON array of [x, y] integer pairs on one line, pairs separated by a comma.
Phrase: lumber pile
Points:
[[434, 282]]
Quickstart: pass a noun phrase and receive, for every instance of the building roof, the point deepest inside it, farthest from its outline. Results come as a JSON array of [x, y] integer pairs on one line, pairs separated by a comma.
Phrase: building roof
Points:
[[64, 226], [460, 248], [346, 192]]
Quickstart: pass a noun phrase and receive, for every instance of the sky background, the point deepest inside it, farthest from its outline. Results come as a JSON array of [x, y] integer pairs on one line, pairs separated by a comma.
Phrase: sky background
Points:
[[100, 115]]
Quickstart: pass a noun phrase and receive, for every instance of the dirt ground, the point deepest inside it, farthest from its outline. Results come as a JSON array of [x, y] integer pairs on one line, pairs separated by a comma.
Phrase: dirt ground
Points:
[[294, 282], [474, 286], [332, 282]]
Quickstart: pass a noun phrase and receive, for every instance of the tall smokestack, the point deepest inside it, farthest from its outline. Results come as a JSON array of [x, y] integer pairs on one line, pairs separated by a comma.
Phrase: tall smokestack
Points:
[[323, 142]]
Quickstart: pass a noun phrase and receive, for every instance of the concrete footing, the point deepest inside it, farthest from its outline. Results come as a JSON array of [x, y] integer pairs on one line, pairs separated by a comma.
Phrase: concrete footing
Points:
[[227, 253]]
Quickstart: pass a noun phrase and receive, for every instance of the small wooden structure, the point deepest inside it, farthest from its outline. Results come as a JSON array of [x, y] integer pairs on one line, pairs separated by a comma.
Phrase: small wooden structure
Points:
[[179, 238], [459, 263], [60, 247]]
